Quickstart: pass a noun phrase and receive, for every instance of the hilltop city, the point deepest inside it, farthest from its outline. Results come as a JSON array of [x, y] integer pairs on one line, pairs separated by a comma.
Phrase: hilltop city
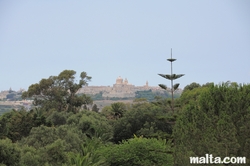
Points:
[[121, 89], [102, 95]]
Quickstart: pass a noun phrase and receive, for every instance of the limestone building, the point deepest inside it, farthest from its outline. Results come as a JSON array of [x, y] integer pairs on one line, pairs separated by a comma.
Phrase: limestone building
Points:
[[121, 88]]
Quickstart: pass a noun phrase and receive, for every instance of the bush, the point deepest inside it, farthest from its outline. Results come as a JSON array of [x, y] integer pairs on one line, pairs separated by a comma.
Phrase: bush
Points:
[[140, 152], [9, 153]]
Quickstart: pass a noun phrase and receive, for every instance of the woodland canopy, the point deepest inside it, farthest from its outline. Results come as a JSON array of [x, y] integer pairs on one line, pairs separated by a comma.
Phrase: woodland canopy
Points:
[[59, 130]]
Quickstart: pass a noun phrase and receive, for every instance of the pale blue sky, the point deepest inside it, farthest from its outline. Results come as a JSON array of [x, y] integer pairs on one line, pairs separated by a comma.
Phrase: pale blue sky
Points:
[[130, 38]]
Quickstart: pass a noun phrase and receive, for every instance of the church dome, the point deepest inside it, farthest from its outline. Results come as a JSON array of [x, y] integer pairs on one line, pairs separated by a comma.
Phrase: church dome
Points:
[[119, 80]]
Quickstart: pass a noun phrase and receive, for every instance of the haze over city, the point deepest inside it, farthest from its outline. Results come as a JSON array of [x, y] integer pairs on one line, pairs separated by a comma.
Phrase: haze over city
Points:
[[131, 39]]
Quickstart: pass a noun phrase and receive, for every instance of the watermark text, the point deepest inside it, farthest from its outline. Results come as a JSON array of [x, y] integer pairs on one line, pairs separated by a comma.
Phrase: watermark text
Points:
[[209, 159]]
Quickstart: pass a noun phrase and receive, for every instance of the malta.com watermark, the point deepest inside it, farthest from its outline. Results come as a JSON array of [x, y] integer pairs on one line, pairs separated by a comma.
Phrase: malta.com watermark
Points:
[[209, 159]]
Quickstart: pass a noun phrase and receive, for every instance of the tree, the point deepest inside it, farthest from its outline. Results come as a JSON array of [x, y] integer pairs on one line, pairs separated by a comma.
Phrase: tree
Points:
[[92, 124], [9, 153], [43, 136], [171, 78], [143, 119], [216, 122], [191, 86], [88, 155], [138, 151], [57, 118], [54, 154], [106, 111], [118, 109], [16, 124], [30, 156], [164, 103], [193, 95], [59, 92], [94, 108], [208, 84]]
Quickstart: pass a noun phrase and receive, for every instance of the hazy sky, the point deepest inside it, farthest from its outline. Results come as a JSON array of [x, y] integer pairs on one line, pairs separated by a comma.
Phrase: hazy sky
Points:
[[128, 38]]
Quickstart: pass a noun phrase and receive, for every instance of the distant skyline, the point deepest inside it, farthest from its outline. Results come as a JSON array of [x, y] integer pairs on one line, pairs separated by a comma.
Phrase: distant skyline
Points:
[[132, 39]]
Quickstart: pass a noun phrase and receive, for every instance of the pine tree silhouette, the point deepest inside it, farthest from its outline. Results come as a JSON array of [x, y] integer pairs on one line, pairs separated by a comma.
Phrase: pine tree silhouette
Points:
[[171, 77]]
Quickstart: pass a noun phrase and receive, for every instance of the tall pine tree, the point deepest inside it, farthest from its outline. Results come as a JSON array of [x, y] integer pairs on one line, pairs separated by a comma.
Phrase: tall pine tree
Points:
[[171, 77]]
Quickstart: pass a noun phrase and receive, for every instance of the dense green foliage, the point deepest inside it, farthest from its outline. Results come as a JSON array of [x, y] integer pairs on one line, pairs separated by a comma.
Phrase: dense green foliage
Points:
[[115, 111], [17, 124], [88, 156], [215, 120], [138, 151], [208, 119], [191, 86], [142, 119], [59, 92], [10, 154]]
